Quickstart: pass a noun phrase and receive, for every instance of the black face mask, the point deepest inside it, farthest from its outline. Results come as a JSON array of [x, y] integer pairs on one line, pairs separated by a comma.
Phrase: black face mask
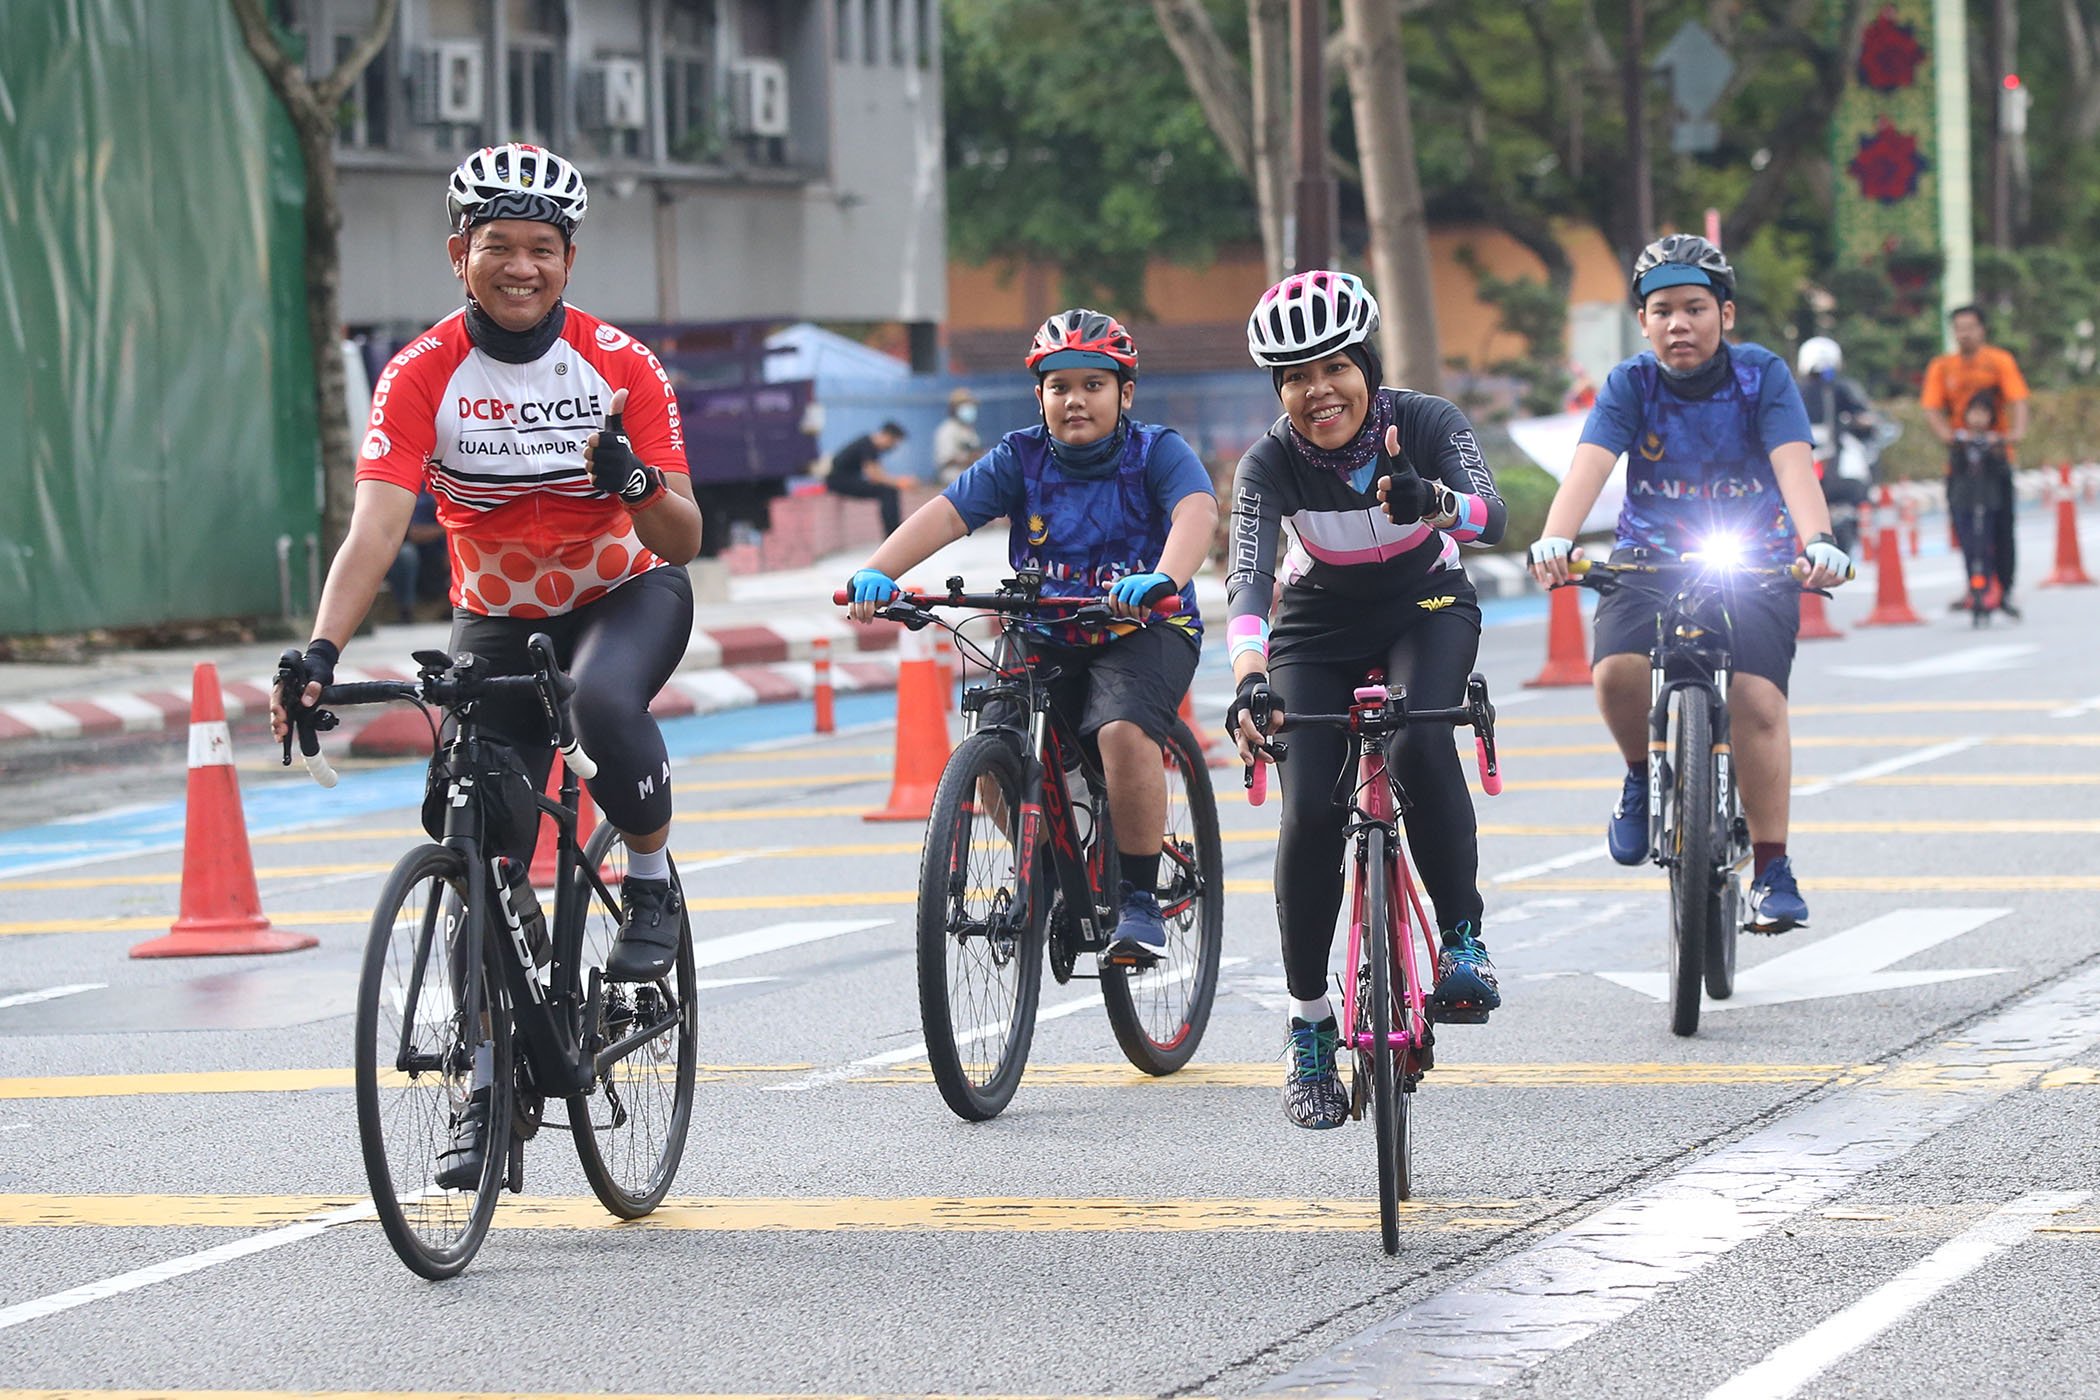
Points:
[[514, 347], [1703, 382]]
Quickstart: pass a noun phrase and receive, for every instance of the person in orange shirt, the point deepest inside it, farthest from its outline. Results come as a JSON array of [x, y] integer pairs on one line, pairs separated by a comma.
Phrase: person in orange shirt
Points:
[[1951, 380]]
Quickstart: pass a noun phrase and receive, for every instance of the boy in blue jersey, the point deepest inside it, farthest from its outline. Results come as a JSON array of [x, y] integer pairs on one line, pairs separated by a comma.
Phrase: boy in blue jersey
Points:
[[1717, 444], [1102, 505]]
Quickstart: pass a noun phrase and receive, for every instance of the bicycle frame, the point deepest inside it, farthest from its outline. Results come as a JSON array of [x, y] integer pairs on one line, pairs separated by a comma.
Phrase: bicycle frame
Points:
[[1679, 623], [1373, 804]]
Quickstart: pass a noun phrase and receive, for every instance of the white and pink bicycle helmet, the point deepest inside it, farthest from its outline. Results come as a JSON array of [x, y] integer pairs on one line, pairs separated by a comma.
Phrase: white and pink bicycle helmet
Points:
[[1308, 315]]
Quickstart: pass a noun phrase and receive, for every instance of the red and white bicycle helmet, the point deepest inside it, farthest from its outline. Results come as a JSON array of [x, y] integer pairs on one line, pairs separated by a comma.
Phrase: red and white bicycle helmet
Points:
[[516, 181], [1081, 337], [1309, 315]]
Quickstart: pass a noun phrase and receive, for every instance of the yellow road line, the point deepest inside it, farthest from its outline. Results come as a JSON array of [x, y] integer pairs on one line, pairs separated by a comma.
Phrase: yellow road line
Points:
[[164, 1394], [946, 1214], [1587, 715], [788, 781], [1849, 884], [1259, 1074]]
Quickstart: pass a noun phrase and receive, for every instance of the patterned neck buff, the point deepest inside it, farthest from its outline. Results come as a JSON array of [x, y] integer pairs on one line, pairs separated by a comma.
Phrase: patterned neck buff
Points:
[[1096, 459], [1352, 456]]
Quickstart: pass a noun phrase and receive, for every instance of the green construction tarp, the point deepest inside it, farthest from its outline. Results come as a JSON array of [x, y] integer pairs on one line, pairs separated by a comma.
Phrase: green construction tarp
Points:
[[156, 384]]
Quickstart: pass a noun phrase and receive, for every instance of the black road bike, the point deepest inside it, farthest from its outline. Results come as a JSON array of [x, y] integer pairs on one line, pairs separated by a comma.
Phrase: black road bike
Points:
[[1696, 829], [1022, 782], [463, 986]]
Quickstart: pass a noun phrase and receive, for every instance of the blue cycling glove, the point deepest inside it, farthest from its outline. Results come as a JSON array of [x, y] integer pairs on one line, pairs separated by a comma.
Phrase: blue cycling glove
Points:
[[871, 586], [1142, 590]]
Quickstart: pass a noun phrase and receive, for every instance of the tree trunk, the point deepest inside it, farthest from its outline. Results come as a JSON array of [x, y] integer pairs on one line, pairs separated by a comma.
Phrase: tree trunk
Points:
[[313, 108], [1399, 229], [1269, 40], [2082, 111], [1214, 76]]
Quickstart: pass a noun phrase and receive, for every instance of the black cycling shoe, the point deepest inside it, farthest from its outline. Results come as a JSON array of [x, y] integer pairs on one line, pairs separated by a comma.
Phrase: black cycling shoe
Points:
[[1313, 1096], [652, 915], [459, 1165]]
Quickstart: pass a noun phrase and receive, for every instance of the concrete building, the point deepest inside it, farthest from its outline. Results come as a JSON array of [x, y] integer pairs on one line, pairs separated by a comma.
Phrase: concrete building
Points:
[[747, 159]]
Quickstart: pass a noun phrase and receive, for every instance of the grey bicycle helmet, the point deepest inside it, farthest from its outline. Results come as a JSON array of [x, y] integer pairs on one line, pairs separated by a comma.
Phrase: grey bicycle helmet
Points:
[[1680, 260]]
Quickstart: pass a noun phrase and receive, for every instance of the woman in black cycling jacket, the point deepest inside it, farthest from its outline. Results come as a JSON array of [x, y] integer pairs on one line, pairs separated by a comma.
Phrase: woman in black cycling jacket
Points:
[[1379, 486]]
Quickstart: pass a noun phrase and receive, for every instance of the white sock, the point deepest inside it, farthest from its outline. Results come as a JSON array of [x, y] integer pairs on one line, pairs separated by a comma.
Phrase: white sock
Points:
[[650, 865], [1313, 1011], [484, 1065]]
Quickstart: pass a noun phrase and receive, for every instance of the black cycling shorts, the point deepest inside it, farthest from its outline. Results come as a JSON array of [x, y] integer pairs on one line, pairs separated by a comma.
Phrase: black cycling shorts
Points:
[[1140, 676], [1766, 622]]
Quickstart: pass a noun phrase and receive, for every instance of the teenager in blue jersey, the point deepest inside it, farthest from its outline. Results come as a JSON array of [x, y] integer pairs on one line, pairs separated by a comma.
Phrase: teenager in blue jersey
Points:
[[1103, 505], [1717, 444]]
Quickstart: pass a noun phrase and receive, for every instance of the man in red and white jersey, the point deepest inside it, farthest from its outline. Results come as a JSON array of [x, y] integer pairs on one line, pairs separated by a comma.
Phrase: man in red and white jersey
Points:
[[553, 444]]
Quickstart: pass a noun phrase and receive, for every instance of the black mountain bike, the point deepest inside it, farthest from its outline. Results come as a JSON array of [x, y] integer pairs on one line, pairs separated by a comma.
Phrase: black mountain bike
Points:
[[1021, 781], [1696, 829], [463, 986]]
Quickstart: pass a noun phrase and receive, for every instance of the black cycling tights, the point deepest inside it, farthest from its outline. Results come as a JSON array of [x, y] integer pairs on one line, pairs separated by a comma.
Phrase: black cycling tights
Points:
[[1432, 660], [621, 650]]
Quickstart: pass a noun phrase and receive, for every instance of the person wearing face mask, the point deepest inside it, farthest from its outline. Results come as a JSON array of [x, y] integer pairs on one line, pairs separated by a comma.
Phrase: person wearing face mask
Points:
[[1718, 445], [955, 442], [1102, 504], [1380, 487]]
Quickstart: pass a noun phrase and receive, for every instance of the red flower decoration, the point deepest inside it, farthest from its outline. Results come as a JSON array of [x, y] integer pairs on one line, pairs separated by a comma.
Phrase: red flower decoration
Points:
[[1889, 52], [1888, 164]]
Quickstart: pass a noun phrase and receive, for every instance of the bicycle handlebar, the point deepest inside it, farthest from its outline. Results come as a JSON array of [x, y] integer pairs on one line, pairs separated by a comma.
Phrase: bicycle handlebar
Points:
[[913, 605], [1386, 717], [1579, 571], [444, 681]]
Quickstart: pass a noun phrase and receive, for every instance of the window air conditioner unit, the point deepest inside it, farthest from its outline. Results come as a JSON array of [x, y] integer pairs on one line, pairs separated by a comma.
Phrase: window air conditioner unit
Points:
[[614, 95], [448, 82], [758, 97]]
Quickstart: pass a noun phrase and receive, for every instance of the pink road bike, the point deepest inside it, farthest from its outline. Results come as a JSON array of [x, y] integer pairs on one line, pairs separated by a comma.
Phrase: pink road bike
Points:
[[1392, 942]]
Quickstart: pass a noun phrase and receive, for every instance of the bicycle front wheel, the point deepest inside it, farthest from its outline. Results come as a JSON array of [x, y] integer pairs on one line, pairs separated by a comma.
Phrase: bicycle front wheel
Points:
[[1159, 1014], [630, 1129], [1691, 842], [1724, 910], [1388, 1103], [980, 955], [418, 1031]]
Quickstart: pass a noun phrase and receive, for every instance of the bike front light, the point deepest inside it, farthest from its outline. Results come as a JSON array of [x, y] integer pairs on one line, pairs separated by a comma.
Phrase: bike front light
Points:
[[1719, 553]]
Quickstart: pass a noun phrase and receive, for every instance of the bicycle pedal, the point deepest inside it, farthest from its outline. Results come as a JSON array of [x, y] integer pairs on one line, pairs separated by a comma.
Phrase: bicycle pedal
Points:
[[1458, 1015]]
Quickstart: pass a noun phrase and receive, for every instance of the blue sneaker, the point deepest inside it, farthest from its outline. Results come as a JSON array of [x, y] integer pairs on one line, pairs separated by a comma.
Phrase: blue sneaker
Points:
[[1313, 1096], [1141, 934], [1627, 835], [1776, 904], [1465, 990]]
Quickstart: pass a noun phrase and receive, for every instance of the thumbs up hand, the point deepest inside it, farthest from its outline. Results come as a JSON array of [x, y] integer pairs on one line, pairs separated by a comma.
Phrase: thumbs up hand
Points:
[[614, 468]]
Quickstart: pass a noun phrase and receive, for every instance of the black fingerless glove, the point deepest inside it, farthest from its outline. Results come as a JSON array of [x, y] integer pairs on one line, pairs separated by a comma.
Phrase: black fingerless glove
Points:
[[1254, 694], [319, 661], [616, 471], [1408, 498]]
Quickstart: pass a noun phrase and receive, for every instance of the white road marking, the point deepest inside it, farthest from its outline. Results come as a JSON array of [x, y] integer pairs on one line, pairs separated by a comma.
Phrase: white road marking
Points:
[[717, 862], [1562, 861], [1967, 661], [1850, 963], [51, 994], [713, 952], [803, 741], [1618, 909], [2083, 707], [708, 984], [175, 1268], [1793, 1366], [917, 1050], [1532, 1305], [1886, 766]]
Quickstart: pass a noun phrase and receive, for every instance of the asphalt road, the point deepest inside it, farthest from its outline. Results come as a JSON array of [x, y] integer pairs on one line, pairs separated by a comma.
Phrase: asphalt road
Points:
[[1869, 1175]]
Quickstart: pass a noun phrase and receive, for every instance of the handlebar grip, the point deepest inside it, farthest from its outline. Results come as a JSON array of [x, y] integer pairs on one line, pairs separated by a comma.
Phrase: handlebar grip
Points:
[[1257, 782], [1578, 567], [841, 597], [317, 764], [579, 762], [1490, 771]]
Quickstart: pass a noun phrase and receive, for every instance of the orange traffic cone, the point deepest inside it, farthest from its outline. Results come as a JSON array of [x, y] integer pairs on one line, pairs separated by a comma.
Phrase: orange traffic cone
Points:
[[1891, 598], [1567, 658], [2070, 564], [922, 732], [1215, 752], [1815, 620], [546, 856], [221, 911]]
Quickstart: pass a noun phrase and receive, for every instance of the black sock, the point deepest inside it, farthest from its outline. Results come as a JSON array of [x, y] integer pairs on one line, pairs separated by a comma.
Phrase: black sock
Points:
[[1141, 872]]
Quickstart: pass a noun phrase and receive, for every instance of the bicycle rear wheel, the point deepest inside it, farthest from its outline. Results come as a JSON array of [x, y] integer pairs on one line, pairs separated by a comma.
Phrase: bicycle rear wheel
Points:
[[416, 1043], [1389, 1105], [1691, 841], [980, 958], [630, 1131], [1159, 1014]]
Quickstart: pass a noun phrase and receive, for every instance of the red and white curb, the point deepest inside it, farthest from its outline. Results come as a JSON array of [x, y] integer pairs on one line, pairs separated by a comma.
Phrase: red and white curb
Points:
[[724, 668]]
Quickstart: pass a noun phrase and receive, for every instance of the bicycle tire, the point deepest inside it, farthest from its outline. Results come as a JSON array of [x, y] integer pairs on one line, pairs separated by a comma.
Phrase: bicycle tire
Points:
[[1389, 1106], [1159, 1015], [630, 1131], [977, 988], [405, 1115], [1724, 914], [1691, 841]]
